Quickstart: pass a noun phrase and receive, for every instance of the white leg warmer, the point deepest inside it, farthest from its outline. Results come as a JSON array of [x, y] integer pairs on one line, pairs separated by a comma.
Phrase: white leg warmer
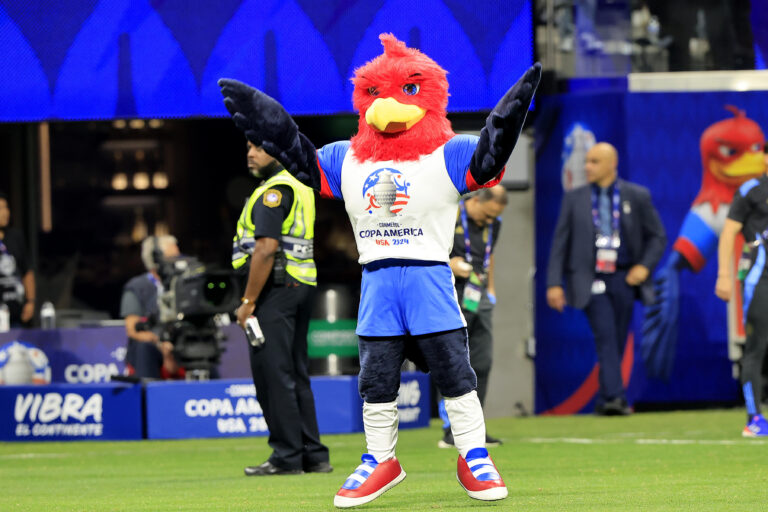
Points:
[[467, 422], [381, 422]]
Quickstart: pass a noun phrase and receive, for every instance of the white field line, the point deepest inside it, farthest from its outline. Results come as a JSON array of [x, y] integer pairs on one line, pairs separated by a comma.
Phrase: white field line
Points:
[[12, 456], [583, 440], [61, 455]]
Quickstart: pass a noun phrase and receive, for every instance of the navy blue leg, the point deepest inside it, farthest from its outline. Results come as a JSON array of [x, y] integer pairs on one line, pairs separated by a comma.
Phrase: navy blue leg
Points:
[[380, 362], [447, 356], [601, 316]]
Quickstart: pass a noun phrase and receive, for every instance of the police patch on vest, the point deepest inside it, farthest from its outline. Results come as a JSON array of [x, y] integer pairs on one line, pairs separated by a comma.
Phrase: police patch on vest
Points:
[[272, 197]]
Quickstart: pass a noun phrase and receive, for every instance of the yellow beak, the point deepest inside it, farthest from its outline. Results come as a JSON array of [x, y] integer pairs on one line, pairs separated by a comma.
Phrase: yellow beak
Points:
[[750, 163], [389, 115]]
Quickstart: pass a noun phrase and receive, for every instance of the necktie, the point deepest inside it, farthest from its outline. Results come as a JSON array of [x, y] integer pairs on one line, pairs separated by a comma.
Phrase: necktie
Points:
[[605, 213]]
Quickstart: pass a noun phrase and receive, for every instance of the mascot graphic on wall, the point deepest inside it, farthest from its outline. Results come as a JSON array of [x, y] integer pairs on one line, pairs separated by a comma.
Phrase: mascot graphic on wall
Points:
[[731, 154]]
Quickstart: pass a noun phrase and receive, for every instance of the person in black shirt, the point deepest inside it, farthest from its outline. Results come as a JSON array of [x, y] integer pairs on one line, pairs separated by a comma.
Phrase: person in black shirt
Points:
[[749, 215], [478, 224], [17, 279]]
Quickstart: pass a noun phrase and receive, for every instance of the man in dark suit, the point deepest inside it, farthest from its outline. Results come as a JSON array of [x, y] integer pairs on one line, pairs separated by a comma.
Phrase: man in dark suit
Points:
[[607, 241]]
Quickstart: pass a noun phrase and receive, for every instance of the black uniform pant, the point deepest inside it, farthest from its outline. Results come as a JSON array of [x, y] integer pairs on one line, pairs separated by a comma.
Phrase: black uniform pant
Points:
[[480, 331], [281, 375], [609, 314], [756, 327]]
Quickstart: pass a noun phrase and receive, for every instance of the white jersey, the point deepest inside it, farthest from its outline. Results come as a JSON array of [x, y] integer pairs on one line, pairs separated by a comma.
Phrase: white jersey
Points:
[[402, 210]]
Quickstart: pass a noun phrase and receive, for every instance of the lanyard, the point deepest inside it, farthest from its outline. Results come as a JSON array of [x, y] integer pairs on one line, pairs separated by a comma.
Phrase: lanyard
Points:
[[616, 215], [468, 245], [3, 248]]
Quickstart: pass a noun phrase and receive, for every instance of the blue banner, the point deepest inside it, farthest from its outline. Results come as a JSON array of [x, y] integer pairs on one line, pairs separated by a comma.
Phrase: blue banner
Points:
[[101, 59], [70, 412], [229, 408], [413, 401], [91, 355]]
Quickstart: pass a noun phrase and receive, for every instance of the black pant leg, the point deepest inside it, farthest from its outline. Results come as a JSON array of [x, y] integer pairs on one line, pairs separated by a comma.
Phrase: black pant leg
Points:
[[678, 19], [274, 376], [314, 452], [602, 320], [480, 332], [623, 297], [756, 344], [744, 53]]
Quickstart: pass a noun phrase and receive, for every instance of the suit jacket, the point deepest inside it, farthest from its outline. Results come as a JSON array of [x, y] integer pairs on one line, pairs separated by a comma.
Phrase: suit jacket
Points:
[[572, 257]]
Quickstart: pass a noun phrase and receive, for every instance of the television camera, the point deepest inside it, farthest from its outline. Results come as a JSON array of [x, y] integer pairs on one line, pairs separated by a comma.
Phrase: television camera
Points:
[[191, 306]]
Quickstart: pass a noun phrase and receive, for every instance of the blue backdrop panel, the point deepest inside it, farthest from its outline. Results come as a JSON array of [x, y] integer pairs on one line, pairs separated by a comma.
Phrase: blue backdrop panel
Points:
[[68, 412], [225, 408], [228, 408], [657, 135], [338, 404], [89, 355], [91, 59], [413, 400]]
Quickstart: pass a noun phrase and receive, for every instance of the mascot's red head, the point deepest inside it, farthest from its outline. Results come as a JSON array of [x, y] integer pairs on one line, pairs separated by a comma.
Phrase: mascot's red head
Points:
[[731, 153], [401, 96]]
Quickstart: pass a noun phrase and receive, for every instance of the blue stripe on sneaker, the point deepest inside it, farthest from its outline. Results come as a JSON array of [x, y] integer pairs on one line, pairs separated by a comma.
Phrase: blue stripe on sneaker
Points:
[[489, 471], [486, 477], [367, 460], [476, 453], [351, 485]]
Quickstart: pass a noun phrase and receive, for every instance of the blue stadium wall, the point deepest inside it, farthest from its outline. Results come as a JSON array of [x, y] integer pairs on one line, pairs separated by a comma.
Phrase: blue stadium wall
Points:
[[89, 59], [657, 136]]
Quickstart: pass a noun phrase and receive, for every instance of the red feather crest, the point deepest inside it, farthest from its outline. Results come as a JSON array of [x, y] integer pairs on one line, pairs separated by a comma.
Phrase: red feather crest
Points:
[[386, 75]]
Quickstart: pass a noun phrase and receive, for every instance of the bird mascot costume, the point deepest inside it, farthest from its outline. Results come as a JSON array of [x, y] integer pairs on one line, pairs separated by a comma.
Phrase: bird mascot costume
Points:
[[401, 177], [731, 154]]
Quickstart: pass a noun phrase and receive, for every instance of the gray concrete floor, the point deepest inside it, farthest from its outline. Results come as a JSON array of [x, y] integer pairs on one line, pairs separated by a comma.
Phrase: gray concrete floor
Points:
[[510, 389]]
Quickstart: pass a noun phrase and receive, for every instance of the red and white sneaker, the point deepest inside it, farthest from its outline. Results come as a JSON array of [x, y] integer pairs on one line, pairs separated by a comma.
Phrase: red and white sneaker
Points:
[[478, 475], [370, 480]]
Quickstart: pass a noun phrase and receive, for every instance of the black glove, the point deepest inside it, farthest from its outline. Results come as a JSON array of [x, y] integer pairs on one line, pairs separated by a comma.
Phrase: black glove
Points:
[[503, 126], [265, 123]]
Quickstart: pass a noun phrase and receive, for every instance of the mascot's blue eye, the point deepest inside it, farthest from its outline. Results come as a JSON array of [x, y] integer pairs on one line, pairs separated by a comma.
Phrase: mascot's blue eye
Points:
[[726, 151], [755, 147], [411, 89], [373, 91]]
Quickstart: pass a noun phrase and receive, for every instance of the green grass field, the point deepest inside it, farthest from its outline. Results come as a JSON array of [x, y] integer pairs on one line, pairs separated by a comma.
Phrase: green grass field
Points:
[[665, 461]]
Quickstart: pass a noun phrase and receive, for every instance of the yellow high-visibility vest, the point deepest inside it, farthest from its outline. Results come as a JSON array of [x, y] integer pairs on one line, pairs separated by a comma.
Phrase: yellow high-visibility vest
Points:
[[298, 229]]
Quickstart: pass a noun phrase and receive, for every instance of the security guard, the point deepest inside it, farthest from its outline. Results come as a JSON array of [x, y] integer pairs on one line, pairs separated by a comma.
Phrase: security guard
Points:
[[275, 231]]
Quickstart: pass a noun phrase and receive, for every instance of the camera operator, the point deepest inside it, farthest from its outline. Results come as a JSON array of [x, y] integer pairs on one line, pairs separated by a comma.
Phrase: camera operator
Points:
[[148, 356]]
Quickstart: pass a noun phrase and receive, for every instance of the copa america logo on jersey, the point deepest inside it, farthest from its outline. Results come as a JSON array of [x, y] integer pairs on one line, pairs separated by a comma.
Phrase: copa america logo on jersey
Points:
[[387, 192], [23, 363]]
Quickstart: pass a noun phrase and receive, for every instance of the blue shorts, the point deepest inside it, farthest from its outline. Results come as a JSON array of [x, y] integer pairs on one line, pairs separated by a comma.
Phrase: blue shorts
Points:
[[413, 297]]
